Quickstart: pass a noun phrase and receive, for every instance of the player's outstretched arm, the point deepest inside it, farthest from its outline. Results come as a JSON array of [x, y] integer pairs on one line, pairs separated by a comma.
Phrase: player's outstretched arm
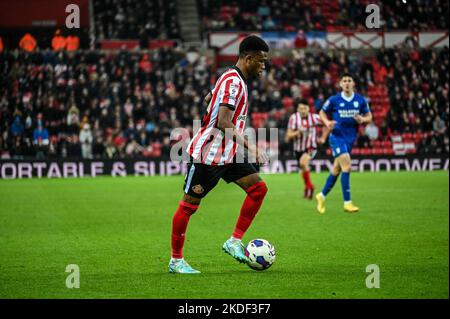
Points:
[[225, 124]]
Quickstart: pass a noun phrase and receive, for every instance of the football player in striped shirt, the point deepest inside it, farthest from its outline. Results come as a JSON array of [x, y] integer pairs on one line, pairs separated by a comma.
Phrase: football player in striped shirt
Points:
[[302, 130], [213, 154]]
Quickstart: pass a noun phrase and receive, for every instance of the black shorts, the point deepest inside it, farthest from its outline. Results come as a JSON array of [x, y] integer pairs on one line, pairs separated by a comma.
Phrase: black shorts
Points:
[[312, 152], [201, 178]]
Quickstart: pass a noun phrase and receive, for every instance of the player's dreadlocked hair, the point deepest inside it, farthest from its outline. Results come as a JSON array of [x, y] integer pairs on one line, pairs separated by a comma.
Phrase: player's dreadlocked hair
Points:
[[252, 44]]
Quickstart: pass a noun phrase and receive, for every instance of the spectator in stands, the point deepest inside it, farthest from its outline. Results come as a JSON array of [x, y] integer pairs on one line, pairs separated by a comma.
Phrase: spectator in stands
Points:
[[268, 24], [133, 148], [86, 141], [446, 144], [58, 41], [384, 130], [4, 150], [145, 65], [110, 148], [263, 9], [372, 131], [17, 127], [300, 40], [72, 42], [74, 147], [41, 140], [439, 125], [98, 148], [363, 140]]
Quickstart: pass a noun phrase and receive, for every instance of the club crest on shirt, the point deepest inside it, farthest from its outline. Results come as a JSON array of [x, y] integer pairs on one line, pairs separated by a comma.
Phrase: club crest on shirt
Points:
[[342, 104], [355, 103], [198, 189]]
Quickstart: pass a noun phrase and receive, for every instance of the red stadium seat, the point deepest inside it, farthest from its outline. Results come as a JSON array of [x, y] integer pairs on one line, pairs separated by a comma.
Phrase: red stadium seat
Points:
[[376, 143], [386, 144], [377, 151]]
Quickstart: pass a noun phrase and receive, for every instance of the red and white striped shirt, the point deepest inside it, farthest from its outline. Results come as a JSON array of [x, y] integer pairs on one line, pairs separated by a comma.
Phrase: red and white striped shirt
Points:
[[308, 138], [209, 144]]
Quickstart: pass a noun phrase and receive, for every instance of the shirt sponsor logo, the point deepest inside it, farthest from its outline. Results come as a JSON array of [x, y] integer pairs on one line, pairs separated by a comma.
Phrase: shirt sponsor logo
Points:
[[348, 113], [241, 117]]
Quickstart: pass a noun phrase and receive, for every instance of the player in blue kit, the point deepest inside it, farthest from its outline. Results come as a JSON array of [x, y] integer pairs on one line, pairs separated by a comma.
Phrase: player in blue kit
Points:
[[347, 110]]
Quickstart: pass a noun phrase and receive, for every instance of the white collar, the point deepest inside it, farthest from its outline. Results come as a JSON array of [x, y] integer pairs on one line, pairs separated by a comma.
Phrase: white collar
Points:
[[348, 99]]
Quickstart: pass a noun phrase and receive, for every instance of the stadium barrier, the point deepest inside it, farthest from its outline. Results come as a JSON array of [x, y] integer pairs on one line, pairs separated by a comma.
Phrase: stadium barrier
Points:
[[227, 42], [66, 168]]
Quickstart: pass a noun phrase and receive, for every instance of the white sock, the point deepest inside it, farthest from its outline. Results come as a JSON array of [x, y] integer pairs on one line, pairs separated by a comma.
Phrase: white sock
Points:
[[176, 259], [347, 202], [322, 195], [234, 239]]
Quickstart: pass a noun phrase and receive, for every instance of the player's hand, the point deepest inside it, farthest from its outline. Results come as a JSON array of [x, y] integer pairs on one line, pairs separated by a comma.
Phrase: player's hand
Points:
[[261, 157], [359, 119], [330, 124], [321, 140]]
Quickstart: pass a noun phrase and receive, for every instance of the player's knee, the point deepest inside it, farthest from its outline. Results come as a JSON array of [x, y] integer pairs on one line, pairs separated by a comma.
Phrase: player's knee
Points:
[[346, 167], [257, 191], [189, 208], [336, 170], [190, 204]]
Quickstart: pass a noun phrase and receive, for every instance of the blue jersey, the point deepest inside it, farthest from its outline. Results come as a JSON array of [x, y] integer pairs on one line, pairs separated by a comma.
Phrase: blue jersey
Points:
[[343, 110]]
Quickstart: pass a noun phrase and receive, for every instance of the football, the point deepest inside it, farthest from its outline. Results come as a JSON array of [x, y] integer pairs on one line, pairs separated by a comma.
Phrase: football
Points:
[[261, 254]]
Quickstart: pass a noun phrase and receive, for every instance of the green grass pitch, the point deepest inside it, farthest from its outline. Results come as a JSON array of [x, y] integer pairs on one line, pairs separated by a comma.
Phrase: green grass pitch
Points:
[[117, 230]]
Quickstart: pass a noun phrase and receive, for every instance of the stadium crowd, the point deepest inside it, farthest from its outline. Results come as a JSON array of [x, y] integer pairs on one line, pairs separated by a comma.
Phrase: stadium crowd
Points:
[[133, 19], [94, 104], [333, 15]]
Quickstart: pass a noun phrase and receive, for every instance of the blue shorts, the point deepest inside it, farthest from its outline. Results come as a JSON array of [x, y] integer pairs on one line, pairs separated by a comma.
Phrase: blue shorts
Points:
[[340, 146]]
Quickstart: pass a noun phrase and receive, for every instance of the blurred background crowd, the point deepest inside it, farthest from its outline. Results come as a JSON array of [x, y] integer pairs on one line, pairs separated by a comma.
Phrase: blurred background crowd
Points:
[[65, 101], [94, 104], [307, 15]]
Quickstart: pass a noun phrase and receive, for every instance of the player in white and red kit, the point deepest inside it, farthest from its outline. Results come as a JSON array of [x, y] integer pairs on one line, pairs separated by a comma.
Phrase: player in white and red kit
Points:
[[302, 129], [207, 145], [213, 154]]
